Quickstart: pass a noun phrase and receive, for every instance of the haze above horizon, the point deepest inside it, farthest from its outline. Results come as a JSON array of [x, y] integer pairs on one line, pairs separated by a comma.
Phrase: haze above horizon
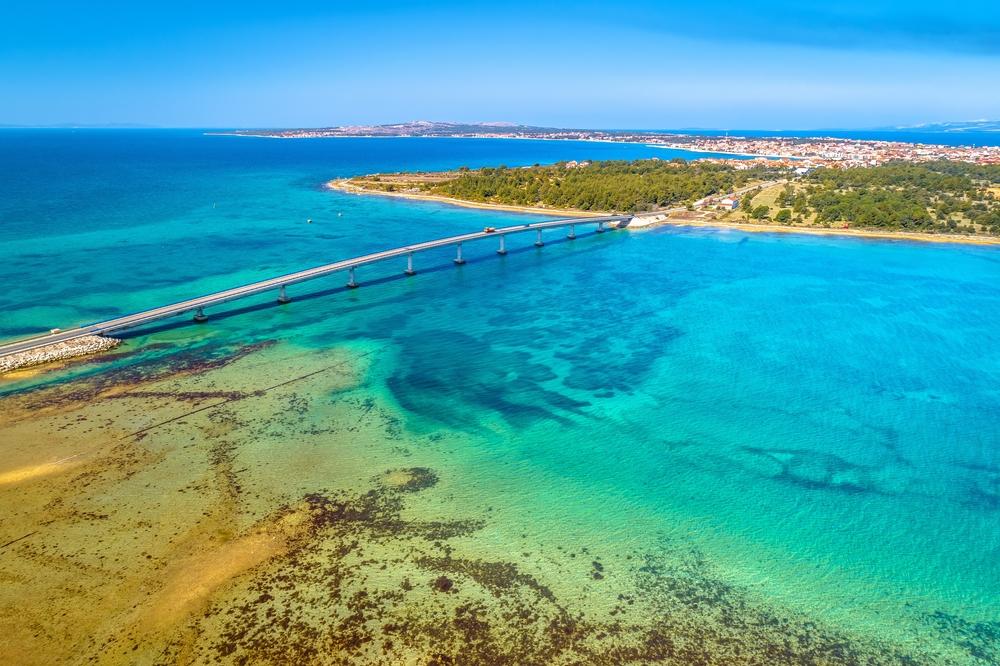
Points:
[[778, 65]]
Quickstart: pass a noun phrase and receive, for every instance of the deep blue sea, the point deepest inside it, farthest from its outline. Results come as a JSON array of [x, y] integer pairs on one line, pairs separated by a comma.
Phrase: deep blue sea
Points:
[[964, 138], [810, 423]]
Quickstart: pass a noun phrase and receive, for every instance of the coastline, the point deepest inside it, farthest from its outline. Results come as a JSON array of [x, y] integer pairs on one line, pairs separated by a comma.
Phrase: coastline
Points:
[[671, 146], [343, 185], [849, 233], [865, 149], [660, 146], [294, 137]]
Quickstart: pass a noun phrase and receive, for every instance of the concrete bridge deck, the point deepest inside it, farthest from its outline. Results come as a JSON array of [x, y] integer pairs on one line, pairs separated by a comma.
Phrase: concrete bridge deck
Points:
[[198, 305]]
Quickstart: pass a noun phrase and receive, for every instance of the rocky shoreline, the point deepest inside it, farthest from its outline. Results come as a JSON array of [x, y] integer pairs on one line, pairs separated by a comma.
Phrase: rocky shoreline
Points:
[[60, 351]]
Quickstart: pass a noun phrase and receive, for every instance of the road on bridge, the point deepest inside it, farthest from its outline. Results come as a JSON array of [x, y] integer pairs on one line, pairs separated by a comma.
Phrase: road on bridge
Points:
[[277, 283]]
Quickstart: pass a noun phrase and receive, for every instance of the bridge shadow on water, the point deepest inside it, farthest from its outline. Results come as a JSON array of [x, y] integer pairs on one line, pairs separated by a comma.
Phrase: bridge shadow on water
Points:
[[340, 289]]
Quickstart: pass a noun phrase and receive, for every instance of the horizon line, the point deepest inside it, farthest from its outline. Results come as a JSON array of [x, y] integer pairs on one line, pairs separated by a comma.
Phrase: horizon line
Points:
[[936, 127]]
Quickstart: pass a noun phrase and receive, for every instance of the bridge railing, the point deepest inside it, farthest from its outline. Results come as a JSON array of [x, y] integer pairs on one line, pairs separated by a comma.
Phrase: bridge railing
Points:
[[280, 283]]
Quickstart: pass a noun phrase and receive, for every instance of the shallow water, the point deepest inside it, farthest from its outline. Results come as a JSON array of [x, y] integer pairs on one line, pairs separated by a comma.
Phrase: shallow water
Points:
[[674, 445]]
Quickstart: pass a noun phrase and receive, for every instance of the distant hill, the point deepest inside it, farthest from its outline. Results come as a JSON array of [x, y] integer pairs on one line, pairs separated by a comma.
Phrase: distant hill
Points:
[[963, 126], [818, 148], [418, 128]]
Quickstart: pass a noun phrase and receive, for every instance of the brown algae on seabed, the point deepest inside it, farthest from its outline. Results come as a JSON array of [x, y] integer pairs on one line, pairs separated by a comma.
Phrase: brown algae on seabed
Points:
[[135, 472], [263, 505]]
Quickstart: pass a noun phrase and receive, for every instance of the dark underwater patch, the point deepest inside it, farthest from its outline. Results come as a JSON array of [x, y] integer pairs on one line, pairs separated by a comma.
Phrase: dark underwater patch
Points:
[[499, 578], [982, 486], [599, 364], [452, 377], [980, 640], [819, 471], [408, 480]]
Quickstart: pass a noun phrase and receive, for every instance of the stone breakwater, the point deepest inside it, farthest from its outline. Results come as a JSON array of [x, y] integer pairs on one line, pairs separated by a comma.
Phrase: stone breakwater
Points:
[[60, 351]]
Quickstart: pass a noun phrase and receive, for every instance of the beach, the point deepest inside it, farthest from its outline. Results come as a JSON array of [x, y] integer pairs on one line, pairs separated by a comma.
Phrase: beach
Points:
[[344, 185], [677, 219]]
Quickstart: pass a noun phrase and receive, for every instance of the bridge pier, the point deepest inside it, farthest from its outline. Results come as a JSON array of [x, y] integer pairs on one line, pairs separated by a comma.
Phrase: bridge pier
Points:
[[409, 265], [538, 238], [195, 307], [600, 227]]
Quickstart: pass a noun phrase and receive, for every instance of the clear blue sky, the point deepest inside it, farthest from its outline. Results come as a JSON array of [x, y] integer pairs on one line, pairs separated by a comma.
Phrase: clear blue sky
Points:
[[771, 64]]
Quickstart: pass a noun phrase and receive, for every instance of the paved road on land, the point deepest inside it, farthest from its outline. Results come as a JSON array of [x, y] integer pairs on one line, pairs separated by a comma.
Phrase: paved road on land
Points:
[[147, 316]]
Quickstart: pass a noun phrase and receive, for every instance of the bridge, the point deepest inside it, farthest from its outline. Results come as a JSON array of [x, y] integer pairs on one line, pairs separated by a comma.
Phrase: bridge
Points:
[[280, 284]]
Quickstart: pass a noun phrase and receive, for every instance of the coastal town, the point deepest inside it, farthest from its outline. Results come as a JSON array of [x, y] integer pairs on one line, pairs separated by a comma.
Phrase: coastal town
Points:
[[836, 152], [805, 152]]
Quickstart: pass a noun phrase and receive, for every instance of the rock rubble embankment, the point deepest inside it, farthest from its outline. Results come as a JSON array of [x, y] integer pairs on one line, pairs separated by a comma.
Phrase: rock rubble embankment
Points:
[[59, 351]]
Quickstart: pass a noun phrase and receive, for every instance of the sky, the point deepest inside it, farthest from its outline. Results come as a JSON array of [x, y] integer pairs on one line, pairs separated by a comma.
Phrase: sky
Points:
[[755, 64]]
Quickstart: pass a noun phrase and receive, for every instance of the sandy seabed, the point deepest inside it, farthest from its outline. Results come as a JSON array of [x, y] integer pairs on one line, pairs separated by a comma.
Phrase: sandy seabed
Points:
[[258, 504]]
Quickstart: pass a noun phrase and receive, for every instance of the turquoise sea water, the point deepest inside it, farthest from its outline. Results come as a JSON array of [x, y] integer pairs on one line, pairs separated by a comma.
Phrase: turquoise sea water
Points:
[[819, 417], [107, 222]]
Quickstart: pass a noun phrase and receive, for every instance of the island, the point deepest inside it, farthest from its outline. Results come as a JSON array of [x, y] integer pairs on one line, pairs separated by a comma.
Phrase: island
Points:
[[810, 151], [939, 200]]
